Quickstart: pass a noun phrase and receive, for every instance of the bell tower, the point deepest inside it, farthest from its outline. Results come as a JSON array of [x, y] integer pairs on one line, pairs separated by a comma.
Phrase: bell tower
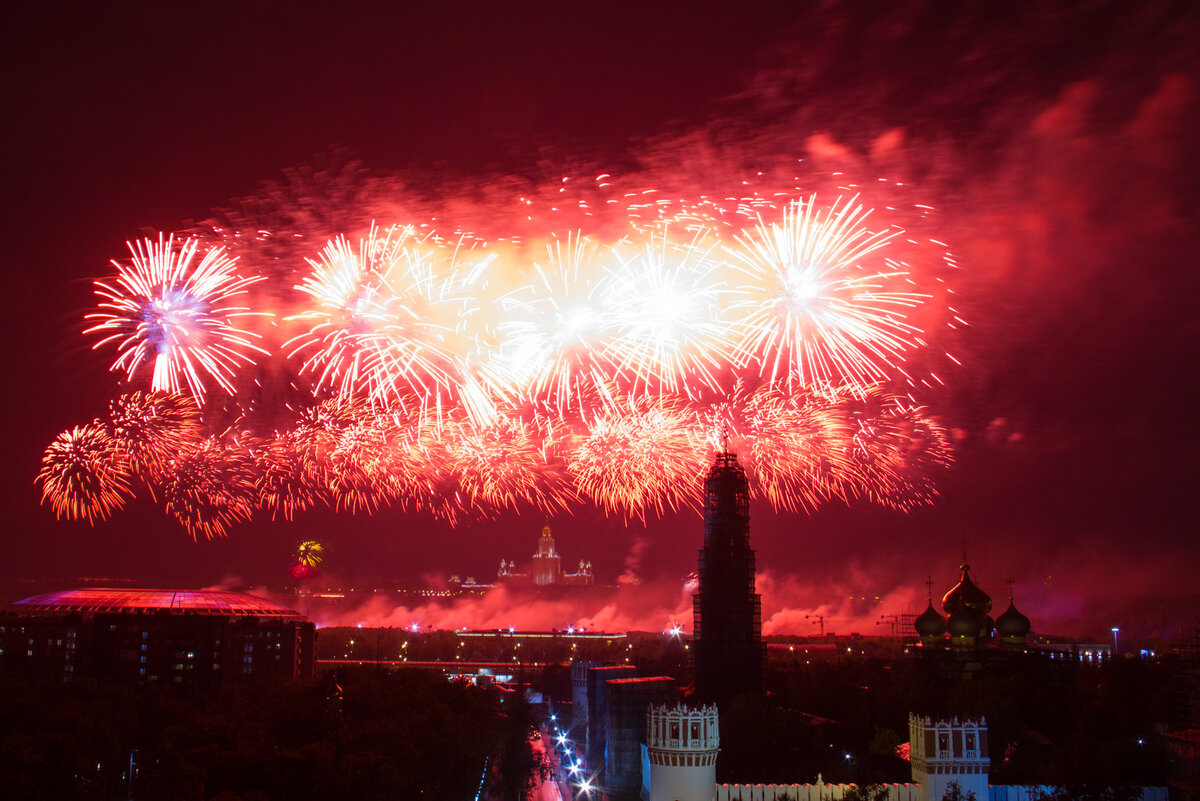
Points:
[[727, 612], [679, 757], [945, 752]]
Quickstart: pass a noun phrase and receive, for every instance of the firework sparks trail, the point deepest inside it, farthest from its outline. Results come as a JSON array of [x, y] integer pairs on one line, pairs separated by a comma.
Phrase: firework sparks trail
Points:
[[283, 479], [364, 478], [645, 456], [818, 308], [504, 466], [310, 553], [368, 321], [151, 428], [459, 377], [552, 338], [895, 448], [164, 310], [391, 321], [669, 331], [83, 475], [795, 445], [209, 488]]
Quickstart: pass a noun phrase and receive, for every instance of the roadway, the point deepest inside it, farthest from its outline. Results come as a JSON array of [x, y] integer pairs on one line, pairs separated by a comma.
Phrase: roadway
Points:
[[554, 786]]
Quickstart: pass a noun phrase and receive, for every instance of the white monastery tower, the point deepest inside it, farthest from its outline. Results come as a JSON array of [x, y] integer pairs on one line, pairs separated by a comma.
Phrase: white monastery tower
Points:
[[946, 751], [679, 759]]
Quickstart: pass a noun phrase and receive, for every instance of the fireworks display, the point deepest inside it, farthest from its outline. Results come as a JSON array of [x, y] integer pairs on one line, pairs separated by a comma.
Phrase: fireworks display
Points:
[[461, 376], [166, 312], [813, 313], [308, 557], [83, 475]]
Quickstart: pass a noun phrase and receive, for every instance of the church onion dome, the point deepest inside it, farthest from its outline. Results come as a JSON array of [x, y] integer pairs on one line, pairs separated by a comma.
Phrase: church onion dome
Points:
[[965, 622], [930, 624], [965, 593], [1012, 624]]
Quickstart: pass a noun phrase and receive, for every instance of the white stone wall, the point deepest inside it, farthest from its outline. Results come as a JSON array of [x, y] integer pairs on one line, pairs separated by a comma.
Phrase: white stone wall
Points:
[[805, 792], [896, 792], [1032, 792], [682, 784]]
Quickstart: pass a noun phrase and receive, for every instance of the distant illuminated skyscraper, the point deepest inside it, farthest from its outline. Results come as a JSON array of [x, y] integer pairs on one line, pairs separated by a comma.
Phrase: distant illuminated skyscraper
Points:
[[546, 566], [727, 643]]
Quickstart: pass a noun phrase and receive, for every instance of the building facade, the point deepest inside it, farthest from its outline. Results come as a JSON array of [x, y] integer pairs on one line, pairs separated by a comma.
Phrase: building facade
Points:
[[195, 639], [628, 700], [596, 705]]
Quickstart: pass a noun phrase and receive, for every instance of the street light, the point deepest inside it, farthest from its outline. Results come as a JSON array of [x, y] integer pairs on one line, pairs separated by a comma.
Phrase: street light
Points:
[[1115, 631]]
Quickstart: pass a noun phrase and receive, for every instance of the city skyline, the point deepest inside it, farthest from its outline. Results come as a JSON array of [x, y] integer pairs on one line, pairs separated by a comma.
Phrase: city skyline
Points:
[[1060, 195]]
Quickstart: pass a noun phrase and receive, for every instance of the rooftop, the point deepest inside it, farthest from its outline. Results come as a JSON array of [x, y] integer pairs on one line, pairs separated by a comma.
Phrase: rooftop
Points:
[[127, 601]]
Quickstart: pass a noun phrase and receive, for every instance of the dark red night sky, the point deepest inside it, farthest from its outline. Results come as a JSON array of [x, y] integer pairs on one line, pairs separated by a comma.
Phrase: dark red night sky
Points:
[[1056, 141]]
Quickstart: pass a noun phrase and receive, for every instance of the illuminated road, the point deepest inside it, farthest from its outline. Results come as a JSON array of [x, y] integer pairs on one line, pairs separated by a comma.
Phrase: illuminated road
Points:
[[551, 789]]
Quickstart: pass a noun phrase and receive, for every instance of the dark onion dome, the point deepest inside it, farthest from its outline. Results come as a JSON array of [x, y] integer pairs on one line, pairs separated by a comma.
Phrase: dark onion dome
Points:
[[965, 622], [965, 593], [1012, 624], [100, 600], [930, 624]]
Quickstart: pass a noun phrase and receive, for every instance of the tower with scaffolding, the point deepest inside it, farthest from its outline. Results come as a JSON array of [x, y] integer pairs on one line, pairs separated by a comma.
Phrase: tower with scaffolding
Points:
[[727, 612]]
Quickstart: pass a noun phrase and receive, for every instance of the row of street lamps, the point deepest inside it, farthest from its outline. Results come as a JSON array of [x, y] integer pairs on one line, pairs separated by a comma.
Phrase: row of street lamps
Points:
[[584, 786]]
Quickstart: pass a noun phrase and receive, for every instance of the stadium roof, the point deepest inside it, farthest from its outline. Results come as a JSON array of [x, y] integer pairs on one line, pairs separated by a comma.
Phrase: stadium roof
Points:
[[179, 602]]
